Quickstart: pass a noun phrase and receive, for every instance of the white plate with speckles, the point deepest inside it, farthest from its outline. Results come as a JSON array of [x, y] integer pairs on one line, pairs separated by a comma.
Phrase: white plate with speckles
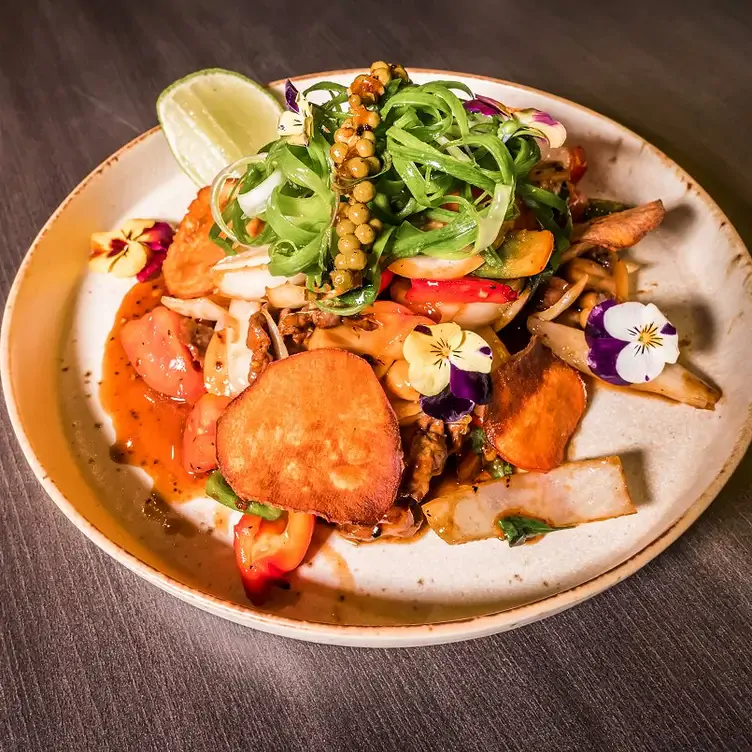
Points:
[[694, 267]]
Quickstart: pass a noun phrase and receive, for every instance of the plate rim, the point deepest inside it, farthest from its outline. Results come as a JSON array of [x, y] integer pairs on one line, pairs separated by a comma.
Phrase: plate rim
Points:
[[354, 635]]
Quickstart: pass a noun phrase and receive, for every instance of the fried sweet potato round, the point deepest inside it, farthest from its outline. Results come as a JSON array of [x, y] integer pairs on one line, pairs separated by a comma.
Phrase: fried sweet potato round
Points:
[[537, 403], [315, 433]]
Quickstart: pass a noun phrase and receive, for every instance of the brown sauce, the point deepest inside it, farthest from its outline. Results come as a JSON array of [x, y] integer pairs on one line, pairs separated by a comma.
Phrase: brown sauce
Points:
[[148, 426]]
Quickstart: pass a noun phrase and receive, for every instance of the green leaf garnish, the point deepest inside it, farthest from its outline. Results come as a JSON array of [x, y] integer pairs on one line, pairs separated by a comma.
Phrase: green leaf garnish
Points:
[[518, 529]]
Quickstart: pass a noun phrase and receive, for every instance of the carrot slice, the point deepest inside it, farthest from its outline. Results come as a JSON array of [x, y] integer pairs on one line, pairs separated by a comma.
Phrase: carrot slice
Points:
[[537, 403], [314, 433]]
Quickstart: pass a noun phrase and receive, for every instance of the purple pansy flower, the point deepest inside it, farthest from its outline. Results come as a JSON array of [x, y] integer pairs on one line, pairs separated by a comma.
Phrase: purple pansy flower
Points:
[[450, 368], [486, 106], [548, 127], [544, 118], [138, 249], [157, 239], [629, 343], [536, 122], [153, 266], [446, 406], [291, 96], [296, 122]]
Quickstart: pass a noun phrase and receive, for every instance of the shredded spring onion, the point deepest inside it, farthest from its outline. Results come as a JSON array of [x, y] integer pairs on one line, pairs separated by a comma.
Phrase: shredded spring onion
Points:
[[449, 180]]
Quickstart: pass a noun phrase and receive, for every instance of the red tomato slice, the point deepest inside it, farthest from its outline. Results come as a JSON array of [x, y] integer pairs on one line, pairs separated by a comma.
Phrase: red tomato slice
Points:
[[160, 358], [200, 434]]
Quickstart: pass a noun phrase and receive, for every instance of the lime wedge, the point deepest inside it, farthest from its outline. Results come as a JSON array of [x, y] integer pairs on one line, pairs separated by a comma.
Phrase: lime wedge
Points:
[[214, 117]]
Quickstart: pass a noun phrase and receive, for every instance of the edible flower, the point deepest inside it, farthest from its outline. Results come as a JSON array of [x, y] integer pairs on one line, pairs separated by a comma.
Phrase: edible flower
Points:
[[542, 125], [486, 106], [296, 122], [137, 249], [450, 367], [629, 343], [520, 122]]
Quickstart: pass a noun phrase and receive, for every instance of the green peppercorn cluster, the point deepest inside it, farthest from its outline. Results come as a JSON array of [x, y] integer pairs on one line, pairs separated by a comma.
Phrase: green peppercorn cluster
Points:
[[354, 156]]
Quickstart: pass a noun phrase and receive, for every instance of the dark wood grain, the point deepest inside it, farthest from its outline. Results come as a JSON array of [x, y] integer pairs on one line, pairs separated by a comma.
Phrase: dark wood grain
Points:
[[92, 658]]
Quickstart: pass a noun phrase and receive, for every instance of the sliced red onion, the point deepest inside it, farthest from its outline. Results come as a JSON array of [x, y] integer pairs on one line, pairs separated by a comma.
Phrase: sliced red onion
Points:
[[445, 406], [470, 385], [291, 96], [543, 117]]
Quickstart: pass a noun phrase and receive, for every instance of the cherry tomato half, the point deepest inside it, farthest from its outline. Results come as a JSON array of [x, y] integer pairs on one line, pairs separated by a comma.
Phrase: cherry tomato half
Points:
[[160, 358]]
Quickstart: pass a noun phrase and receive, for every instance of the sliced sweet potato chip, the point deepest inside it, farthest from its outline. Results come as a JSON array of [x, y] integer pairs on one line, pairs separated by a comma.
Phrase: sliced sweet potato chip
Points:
[[616, 231], [537, 402], [314, 433], [187, 268]]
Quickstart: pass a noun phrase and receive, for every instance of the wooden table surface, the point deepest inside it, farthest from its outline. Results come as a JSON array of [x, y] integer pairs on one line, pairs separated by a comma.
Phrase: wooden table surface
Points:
[[92, 658]]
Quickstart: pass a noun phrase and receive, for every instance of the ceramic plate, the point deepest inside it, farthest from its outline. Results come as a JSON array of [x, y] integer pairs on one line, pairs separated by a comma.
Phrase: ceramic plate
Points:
[[384, 594]]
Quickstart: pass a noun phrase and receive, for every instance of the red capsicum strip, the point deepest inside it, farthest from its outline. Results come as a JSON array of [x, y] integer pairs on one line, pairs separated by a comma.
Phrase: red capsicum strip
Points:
[[463, 290], [266, 550], [386, 279]]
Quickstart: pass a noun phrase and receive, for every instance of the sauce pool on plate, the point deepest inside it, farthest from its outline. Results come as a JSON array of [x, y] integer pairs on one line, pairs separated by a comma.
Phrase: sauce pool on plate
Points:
[[148, 426]]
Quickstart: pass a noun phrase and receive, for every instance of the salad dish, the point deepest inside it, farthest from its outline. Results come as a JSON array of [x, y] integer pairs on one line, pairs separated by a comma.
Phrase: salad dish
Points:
[[488, 419], [387, 318]]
